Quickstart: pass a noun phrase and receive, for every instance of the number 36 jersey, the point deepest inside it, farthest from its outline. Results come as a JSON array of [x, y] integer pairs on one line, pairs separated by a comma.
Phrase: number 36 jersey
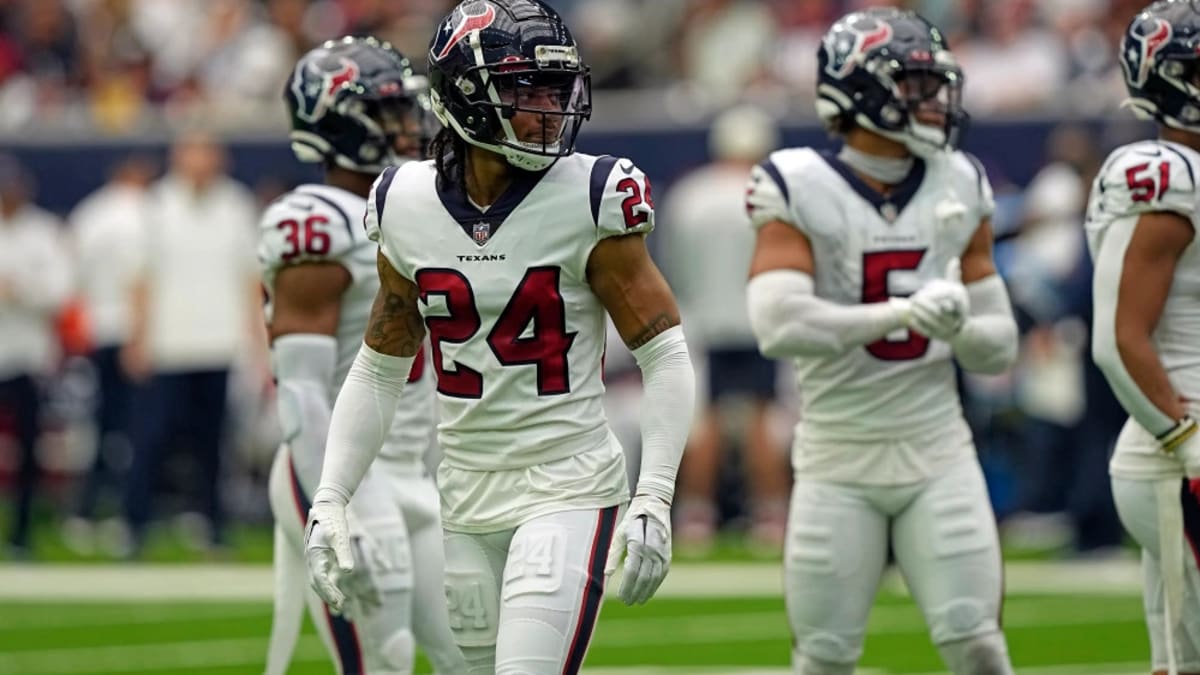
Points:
[[1139, 178], [900, 389], [517, 335], [323, 224]]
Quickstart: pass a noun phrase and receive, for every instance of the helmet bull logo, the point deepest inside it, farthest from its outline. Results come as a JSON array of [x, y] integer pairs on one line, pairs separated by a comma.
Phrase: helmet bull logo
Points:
[[847, 47], [466, 24], [1139, 60], [319, 94]]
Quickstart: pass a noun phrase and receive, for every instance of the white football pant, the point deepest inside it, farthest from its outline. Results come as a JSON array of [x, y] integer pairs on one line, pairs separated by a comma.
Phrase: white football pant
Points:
[[943, 534], [525, 601], [1138, 507]]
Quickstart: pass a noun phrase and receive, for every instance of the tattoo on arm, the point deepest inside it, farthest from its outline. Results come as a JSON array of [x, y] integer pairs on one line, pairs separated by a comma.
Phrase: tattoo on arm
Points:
[[396, 327], [652, 329]]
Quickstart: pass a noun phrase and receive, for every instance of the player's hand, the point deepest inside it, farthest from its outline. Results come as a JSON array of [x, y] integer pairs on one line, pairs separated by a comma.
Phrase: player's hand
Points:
[[327, 549], [1183, 442], [940, 308], [644, 535]]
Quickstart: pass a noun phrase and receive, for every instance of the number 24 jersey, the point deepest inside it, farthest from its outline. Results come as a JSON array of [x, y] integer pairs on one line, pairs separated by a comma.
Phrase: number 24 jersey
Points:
[[517, 335]]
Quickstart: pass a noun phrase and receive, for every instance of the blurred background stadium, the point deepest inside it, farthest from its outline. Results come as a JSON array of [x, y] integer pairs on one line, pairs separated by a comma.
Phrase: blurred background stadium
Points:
[[94, 94]]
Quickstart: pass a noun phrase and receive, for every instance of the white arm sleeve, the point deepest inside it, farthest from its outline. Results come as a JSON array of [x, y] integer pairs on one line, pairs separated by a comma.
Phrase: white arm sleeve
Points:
[[361, 418], [1106, 283], [987, 342], [669, 384], [304, 366], [788, 319]]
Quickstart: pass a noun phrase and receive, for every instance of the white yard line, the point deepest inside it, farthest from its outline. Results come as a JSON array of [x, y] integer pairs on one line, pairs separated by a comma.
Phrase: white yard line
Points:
[[221, 583]]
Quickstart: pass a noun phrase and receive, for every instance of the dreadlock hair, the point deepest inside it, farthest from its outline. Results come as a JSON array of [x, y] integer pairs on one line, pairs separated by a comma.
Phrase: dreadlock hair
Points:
[[449, 153]]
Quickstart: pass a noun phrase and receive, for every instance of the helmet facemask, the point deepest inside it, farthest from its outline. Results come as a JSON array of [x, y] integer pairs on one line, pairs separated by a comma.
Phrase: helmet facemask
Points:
[[924, 109], [1181, 73], [528, 110]]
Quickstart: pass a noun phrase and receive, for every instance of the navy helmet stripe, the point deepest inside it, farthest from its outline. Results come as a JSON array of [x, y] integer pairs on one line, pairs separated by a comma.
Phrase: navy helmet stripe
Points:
[[600, 173]]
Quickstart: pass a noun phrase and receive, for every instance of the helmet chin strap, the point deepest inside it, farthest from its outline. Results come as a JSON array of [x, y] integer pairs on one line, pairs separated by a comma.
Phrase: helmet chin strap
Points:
[[921, 140], [514, 156]]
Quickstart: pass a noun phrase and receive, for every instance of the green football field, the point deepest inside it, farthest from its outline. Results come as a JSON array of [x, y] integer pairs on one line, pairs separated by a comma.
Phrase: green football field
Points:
[[711, 618]]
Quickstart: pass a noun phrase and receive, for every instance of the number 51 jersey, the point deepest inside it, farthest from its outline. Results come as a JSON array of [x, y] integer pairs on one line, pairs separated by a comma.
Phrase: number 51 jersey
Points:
[[900, 390], [1144, 177], [517, 335]]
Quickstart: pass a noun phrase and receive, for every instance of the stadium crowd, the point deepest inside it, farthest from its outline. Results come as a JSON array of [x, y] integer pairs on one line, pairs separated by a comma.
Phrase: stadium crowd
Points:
[[109, 64]]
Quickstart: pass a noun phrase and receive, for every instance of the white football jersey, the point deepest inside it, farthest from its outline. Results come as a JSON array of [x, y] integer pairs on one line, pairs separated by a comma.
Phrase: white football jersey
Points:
[[517, 335], [1140, 178], [321, 223], [896, 395]]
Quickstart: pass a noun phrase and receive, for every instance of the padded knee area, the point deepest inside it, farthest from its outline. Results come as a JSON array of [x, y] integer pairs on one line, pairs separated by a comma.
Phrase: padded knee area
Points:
[[480, 660], [961, 619], [824, 654], [399, 650], [985, 654]]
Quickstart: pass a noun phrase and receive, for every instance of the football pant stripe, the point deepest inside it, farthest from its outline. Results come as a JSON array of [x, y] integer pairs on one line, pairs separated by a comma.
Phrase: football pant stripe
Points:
[[593, 591], [345, 638]]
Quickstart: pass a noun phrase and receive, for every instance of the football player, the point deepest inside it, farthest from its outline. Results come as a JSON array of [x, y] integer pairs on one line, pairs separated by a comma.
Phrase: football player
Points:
[[1141, 224], [357, 108], [873, 271], [508, 248]]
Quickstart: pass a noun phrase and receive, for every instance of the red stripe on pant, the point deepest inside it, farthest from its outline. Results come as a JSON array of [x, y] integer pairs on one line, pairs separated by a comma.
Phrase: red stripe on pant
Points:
[[593, 590], [345, 637]]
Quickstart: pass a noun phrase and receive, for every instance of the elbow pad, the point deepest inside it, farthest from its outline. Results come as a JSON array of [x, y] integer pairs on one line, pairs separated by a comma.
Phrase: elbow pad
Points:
[[669, 383], [987, 342]]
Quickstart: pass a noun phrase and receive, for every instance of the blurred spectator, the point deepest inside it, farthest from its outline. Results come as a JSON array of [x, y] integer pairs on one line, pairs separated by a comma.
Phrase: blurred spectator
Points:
[[195, 307], [117, 64], [107, 228], [1014, 64], [34, 284], [1071, 418], [707, 243], [722, 45]]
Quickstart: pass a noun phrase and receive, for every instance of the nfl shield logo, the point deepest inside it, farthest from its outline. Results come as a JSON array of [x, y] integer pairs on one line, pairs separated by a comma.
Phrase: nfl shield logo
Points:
[[481, 232]]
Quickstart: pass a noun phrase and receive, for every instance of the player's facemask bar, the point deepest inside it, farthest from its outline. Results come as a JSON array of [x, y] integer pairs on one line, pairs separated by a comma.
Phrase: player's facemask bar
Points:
[[1183, 74], [558, 93], [927, 113]]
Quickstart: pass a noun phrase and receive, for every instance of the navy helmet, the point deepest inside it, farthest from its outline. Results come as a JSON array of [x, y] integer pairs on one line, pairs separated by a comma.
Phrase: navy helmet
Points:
[[877, 66], [492, 59], [356, 102], [1159, 56]]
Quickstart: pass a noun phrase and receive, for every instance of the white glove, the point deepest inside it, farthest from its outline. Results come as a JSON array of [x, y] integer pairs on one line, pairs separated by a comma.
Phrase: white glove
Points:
[[940, 308], [644, 534], [327, 549]]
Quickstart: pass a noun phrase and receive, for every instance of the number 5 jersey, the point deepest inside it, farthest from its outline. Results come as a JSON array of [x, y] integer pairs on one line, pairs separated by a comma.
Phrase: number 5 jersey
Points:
[[887, 412], [517, 335]]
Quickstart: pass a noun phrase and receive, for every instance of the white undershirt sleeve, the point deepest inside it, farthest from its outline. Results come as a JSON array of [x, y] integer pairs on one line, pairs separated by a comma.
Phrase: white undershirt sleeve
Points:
[[1106, 284], [362, 416], [789, 320], [987, 342], [669, 385]]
